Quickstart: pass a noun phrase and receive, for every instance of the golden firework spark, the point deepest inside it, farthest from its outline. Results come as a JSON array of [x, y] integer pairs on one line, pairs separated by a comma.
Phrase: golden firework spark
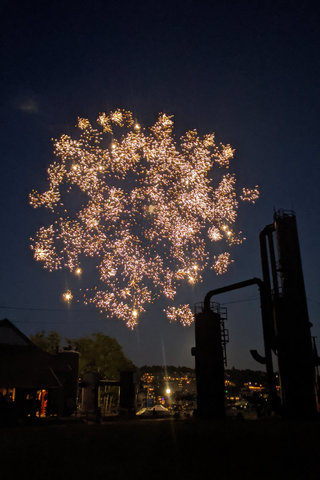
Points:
[[151, 214], [182, 314], [67, 296]]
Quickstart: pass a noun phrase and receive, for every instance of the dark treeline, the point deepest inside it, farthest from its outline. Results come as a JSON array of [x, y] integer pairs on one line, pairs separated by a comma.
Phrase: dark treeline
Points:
[[239, 377], [98, 353], [160, 370]]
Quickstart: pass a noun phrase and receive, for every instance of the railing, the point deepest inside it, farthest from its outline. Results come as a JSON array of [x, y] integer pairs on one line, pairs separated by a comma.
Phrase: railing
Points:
[[222, 312]]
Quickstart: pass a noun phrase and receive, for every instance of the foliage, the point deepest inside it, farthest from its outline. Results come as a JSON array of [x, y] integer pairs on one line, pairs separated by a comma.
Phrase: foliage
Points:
[[50, 343], [165, 370], [99, 353], [239, 377]]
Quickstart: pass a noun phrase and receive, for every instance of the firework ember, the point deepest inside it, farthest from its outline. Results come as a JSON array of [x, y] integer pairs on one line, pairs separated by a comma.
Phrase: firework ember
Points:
[[150, 211]]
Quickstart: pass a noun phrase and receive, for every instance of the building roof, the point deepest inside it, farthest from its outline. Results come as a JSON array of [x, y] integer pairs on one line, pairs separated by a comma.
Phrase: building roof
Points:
[[24, 365], [11, 335]]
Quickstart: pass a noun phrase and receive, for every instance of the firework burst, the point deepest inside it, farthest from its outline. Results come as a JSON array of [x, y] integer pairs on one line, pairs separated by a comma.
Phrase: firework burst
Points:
[[150, 213]]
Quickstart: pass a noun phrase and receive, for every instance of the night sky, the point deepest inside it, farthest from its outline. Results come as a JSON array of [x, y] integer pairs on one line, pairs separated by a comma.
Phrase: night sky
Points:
[[247, 70]]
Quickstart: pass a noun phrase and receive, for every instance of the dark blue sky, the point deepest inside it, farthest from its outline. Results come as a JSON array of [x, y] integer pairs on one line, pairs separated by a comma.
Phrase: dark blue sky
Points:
[[247, 70]]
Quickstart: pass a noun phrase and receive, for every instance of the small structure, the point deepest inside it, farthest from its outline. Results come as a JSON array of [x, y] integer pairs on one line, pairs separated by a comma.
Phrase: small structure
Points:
[[210, 357], [157, 411], [34, 382], [128, 393], [100, 398]]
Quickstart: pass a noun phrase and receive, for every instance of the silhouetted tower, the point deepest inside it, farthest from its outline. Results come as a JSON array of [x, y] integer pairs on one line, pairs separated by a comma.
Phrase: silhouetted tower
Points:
[[286, 329], [293, 342], [211, 337]]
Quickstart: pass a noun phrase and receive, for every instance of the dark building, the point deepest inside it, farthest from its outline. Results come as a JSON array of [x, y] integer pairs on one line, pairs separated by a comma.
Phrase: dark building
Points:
[[34, 382]]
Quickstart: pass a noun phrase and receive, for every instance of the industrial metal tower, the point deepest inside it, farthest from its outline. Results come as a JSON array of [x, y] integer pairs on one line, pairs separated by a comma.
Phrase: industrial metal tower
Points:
[[286, 330]]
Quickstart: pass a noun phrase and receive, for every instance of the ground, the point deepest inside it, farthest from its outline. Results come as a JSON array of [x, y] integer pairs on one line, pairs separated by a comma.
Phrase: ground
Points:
[[161, 448]]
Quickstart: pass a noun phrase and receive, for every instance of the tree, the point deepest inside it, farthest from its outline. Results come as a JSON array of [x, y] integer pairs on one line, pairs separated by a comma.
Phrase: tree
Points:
[[50, 343], [101, 354]]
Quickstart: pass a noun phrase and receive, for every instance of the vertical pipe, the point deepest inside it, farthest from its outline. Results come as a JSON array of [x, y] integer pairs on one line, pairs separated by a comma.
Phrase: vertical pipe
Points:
[[267, 315], [275, 292], [273, 265], [209, 364], [267, 284], [294, 343]]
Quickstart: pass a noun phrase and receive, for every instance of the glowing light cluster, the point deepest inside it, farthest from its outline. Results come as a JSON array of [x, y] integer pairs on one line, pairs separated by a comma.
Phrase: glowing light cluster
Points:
[[67, 296], [222, 263], [145, 206], [182, 314], [250, 194]]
